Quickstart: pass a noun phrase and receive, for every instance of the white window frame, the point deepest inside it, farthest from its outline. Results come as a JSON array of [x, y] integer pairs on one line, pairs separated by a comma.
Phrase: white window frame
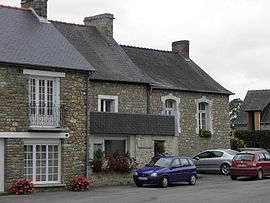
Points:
[[101, 140], [45, 75], [112, 98], [47, 142], [208, 112], [176, 111]]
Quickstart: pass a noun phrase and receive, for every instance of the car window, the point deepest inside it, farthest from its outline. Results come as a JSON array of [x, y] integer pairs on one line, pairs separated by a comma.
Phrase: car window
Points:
[[243, 157], [204, 155], [217, 153], [261, 157], [160, 162], [267, 157], [184, 162], [176, 163]]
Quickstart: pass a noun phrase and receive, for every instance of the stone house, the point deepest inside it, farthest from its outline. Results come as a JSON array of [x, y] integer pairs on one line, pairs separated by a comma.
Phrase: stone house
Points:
[[255, 111], [67, 90]]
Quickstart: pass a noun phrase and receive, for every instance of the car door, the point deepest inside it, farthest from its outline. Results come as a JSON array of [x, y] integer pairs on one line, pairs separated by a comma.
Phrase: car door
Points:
[[262, 163], [202, 160], [186, 169], [175, 171]]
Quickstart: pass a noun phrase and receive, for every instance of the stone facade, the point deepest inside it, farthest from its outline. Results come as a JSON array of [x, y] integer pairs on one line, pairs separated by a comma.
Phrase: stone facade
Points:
[[189, 141], [14, 118], [132, 98]]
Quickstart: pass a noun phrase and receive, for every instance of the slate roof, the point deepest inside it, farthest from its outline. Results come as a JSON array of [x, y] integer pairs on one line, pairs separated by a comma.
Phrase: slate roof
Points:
[[255, 100], [108, 58], [169, 70], [24, 40], [130, 124]]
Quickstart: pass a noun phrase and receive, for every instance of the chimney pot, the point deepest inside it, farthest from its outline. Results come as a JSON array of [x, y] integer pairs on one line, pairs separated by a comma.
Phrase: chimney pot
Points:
[[103, 23], [181, 47]]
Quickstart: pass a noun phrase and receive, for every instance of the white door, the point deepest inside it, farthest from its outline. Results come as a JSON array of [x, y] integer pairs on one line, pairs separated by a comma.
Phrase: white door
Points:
[[2, 155]]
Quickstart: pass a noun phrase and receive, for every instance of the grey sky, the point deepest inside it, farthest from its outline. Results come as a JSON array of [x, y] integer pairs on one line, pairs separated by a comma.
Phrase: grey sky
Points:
[[229, 39]]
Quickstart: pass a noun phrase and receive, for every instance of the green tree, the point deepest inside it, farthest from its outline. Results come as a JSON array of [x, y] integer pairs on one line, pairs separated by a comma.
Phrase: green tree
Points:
[[235, 106]]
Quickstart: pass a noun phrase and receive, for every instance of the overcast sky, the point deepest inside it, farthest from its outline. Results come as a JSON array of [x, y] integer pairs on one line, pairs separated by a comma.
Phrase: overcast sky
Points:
[[229, 39]]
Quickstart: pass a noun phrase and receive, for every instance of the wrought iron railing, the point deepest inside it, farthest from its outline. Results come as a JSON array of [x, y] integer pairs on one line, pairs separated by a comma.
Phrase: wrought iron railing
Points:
[[46, 115]]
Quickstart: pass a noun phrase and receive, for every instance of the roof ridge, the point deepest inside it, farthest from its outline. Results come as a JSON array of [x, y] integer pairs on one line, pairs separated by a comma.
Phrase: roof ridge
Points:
[[151, 49], [14, 7], [67, 23], [259, 90]]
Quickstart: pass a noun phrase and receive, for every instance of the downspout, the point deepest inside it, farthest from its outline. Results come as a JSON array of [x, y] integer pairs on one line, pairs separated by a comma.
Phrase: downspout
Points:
[[149, 94], [87, 126]]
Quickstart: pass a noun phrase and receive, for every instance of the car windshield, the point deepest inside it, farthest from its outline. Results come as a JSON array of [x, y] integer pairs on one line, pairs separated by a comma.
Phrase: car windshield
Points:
[[243, 157], [160, 162]]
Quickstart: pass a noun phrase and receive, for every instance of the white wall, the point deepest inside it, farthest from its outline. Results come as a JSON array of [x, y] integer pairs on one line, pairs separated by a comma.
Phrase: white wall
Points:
[[2, 155]]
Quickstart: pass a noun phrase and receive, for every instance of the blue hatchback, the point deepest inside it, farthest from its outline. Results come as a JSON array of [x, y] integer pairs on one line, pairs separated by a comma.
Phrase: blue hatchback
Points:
[[164, 170]]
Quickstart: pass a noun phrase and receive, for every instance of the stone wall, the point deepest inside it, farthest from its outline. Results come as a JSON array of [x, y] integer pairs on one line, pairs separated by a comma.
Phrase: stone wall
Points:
[[131, 98], [14, 118], [105, 179], [14, 161], [189, 142]]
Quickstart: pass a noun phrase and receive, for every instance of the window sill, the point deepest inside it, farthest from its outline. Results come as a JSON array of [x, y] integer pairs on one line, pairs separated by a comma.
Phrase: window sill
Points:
[[47, 185]]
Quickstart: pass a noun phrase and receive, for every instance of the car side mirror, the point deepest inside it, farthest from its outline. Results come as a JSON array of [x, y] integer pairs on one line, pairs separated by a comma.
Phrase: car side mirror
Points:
[[197, 158]]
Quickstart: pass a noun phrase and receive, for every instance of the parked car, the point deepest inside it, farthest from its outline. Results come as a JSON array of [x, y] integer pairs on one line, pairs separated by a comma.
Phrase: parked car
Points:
[[252, 149], [216, 160], [164, 170], [255, 164]]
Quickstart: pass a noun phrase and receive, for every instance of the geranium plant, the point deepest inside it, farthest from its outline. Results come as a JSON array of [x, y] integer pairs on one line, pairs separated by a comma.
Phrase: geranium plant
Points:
[[21, 187], [80, 184]]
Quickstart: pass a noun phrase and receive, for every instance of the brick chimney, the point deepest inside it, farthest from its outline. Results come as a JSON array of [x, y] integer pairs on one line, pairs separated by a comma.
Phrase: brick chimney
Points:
[[40, 6], [103, 23], [181, 47]]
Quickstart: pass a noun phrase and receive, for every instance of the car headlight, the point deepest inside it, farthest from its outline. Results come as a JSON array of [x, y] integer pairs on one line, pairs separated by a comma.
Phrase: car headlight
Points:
[[135, 173], [154, 174]]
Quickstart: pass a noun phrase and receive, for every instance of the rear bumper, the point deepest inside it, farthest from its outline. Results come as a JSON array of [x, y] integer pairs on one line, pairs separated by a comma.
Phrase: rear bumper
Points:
[[243, 171]]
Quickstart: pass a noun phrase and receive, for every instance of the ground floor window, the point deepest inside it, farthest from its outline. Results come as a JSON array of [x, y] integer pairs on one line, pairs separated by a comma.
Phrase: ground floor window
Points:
[[42, 161], [110, 146], [159, 147]]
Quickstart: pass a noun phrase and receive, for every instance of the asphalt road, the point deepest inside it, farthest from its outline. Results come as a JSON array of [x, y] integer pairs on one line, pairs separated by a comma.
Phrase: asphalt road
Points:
[[209, 189]]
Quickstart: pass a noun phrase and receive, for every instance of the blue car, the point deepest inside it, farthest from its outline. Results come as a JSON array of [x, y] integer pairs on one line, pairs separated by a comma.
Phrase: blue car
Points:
[[164, 170]]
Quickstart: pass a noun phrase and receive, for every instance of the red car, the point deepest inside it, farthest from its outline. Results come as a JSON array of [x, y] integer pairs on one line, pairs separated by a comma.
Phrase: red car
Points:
[[255, 164]]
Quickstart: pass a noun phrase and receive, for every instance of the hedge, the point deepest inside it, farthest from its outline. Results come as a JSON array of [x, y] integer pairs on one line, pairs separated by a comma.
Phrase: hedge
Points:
[[254, 138]]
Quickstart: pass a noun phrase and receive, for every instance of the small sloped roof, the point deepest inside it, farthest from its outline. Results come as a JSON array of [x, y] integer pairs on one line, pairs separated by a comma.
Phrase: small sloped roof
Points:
[[24, 40], [255, 100], [169, 70], [109, 59]]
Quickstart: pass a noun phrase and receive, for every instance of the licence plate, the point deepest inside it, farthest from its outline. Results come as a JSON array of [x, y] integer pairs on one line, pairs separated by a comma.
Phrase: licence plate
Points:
[[241, 165], [142, 178]]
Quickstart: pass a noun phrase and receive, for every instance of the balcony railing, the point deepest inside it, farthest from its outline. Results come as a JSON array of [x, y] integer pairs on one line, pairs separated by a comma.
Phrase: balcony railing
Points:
[[46, 115]]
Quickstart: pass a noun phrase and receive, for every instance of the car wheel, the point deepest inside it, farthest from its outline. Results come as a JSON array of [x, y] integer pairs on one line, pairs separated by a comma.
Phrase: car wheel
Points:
[[138, 184], [259, 175], [233, 177], [164, 182], [225, 169], [192, 180]]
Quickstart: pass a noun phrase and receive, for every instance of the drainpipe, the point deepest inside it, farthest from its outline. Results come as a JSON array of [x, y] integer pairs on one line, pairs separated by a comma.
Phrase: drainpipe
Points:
[[149, 93], [87, 126]]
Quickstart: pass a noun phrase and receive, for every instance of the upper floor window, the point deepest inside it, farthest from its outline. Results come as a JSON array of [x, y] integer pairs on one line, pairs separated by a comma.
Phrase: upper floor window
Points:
[[44, 98], [203, 114], [107, 103], [171, 107]]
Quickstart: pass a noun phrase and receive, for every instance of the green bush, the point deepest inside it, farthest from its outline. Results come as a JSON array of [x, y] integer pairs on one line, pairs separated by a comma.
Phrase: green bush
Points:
[[254, 138], [205, 133], [237, 143]]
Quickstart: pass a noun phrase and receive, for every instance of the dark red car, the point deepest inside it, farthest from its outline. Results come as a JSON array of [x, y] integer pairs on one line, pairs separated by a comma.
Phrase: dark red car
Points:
[[255, 164]]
